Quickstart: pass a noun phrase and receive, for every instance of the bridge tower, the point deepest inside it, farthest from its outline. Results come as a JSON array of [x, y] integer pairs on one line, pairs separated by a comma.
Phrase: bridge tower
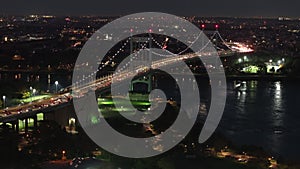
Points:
[[142, 84]]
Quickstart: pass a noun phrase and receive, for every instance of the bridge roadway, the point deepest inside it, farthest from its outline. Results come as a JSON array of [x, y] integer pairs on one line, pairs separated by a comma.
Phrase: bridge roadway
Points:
[[12, 114]]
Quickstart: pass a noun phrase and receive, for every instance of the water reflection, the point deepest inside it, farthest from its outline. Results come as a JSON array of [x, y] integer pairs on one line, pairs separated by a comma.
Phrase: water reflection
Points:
[[265, 114], [277, 116], [43, 80]]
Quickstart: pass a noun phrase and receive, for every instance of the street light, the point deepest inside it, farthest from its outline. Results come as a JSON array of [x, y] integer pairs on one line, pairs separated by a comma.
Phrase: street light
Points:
[[279, 62], [56, 83], [64, 155], [33, 92], [30, 88], [240, 60], [4, 98]]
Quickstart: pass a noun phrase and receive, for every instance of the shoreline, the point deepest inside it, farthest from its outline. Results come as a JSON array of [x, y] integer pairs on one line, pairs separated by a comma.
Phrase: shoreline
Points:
[[248, 77], [262, 77]]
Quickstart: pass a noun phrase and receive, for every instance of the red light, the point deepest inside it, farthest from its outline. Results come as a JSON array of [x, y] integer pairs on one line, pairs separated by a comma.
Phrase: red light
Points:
[[202, 26], [67, 19], [150, 30], [217, 26], [131, 30]]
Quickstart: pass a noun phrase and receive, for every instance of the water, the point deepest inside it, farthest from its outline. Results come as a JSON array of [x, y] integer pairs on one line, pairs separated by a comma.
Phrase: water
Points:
[[13, 85], [265, 114], [41, 81], [261, 113]]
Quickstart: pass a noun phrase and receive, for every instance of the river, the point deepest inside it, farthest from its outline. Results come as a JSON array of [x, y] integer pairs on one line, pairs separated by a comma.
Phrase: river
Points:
[[265, 114]]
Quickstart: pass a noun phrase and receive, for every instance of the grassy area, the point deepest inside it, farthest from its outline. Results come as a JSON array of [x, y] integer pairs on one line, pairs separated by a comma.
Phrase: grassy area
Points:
[[109, 101], [107, 108], [35, 98]]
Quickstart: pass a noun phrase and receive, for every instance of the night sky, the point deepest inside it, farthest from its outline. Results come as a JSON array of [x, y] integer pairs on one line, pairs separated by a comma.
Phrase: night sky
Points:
[[244, 8]]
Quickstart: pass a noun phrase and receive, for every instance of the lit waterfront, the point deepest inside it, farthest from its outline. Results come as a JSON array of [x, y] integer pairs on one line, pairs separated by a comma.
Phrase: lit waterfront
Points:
[[265, 113]]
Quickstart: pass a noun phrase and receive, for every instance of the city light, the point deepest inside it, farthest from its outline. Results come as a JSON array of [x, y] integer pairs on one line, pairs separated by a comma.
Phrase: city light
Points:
[[4, 100], [33, 91], [64, 155], [56, 83], [279, 62], [239, 47], [30, 88]]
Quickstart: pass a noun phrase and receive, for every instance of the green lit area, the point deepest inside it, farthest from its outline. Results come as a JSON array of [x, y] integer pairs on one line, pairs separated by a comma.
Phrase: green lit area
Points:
[[95, 120], [105, 102], [251, 69], [40, 117], [35, 98], [22, 123], [108, 109], [141, 103], [109, 101]]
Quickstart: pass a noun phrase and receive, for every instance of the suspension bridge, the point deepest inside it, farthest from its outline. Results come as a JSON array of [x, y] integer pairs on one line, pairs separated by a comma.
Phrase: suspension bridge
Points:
[[12, 115]]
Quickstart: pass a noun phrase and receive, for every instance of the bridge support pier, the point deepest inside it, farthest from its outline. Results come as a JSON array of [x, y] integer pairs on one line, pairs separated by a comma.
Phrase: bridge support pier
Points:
[[154, 82], [35, 122], [147, 79], [16, 126], [26, 125]]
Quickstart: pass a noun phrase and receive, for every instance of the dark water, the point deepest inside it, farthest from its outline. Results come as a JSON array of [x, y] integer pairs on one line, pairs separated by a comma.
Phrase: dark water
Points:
[[42, 82], [265, 114], [261, 113]]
